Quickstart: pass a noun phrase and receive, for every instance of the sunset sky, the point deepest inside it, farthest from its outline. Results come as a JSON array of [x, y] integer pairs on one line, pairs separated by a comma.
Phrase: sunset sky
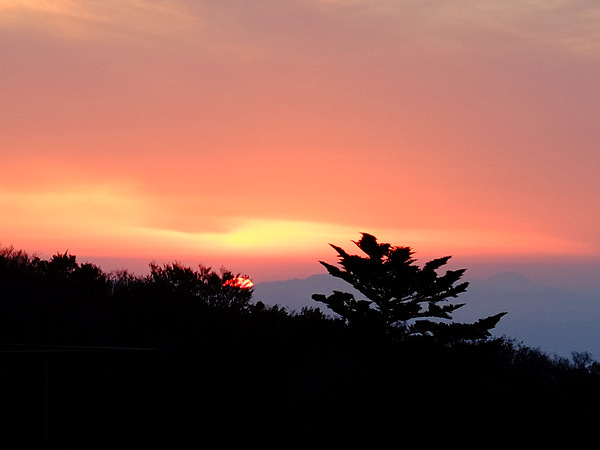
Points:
[[250, 134]]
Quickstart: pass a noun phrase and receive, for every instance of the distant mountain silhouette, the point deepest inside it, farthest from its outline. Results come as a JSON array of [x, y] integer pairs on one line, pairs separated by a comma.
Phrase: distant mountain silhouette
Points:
[[513, 281], [554, 320], [526, 300], [296, 293]]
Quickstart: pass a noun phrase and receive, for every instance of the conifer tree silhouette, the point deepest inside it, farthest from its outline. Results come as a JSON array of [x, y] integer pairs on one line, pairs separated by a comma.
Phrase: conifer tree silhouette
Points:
[[401, 298]]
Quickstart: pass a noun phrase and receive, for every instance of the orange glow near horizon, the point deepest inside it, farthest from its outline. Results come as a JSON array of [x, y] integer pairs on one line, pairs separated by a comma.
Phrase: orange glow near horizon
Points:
[[198, 130], [52, 211]]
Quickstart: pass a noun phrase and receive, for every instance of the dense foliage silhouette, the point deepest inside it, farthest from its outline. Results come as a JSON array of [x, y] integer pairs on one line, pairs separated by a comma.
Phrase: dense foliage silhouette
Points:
[[179, 357], [402, 298]]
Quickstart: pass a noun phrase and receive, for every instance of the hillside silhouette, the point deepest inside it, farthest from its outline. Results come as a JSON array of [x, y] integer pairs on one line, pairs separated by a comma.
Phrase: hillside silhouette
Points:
[[180, 356]]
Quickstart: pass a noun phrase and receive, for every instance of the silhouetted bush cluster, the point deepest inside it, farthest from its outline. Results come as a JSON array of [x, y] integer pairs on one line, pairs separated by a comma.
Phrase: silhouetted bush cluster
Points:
[[178, 356]]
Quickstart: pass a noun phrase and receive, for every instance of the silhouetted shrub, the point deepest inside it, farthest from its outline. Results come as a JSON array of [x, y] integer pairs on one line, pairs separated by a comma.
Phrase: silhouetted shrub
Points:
[[205, 285]]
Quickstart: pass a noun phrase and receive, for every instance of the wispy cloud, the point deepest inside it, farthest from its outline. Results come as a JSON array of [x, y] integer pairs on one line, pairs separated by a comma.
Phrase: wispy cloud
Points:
[[571, 25], [94, 19], [272, 25]]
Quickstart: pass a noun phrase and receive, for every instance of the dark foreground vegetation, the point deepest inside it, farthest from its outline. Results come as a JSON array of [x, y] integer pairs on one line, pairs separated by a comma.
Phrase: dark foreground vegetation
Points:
[[183, 356]]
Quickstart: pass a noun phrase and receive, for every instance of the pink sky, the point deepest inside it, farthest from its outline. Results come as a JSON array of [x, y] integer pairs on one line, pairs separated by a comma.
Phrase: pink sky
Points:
[[232, 132]]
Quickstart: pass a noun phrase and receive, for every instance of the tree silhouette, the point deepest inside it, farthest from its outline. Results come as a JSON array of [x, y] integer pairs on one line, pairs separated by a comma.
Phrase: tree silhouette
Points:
[[402, 298], [204, 284]]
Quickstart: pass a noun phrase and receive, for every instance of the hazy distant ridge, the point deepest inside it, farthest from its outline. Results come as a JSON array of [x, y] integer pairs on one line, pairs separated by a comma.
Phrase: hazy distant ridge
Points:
[[555, 320]]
